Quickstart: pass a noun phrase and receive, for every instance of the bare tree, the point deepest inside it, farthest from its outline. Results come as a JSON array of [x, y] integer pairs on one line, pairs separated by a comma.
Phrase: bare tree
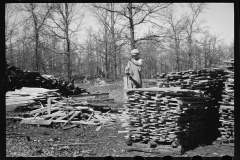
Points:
[[193, 27], [212, 50], [175, 33], [135, 14], [37, 16], [11, 29], [64, 23]]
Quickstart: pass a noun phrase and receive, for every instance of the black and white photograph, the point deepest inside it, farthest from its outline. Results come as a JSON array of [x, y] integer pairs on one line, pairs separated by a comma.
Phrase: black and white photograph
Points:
[[119, 80]]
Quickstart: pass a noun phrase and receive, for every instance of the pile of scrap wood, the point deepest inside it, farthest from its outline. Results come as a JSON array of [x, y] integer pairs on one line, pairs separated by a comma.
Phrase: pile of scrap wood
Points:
[[27, 96], [167, 115], [227, 110], [69, 113], [17, 78]]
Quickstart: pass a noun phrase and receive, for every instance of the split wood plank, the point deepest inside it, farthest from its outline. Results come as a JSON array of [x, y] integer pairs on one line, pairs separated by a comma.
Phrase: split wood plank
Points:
[[56, 114], [77, 122], [69, 114], [73, 144], [37, 122], [74, 125], [98, 128], [74, 115], [49, 103]]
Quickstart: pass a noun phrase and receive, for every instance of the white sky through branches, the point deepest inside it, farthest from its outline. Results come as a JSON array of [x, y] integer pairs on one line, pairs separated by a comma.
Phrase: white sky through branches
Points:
[[219, 18]]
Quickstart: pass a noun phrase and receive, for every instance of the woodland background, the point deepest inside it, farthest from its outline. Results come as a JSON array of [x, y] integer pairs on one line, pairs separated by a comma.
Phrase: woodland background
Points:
[[45, 38]]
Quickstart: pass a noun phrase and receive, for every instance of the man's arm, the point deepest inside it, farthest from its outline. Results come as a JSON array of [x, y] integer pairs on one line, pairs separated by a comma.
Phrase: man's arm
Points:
[[137, 62]]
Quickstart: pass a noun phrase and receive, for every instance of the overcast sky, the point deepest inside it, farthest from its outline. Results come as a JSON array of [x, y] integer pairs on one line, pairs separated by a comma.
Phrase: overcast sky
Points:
[[219, 18]]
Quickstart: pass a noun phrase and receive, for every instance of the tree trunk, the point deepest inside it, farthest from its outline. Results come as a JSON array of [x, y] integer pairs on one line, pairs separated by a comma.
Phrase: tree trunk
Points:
[[132, 38], [119, 61], [69, 70], [113, 43], [36, 50]]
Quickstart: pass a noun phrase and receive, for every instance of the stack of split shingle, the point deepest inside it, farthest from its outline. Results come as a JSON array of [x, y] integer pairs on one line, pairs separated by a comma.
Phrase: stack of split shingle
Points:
[[226, 109], [164, 115]]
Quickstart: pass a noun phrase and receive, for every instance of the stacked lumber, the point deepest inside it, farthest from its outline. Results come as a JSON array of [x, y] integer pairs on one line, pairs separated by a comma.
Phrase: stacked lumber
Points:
[[68, 113], [27, 96], [164, 115], [230, 65], [210, 81], [18, 78], [226, 109], [150, 83]]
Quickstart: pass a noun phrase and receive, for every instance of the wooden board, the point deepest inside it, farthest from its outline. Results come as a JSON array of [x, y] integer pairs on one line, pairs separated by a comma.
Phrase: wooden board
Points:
[[36, 122], [93, 94]]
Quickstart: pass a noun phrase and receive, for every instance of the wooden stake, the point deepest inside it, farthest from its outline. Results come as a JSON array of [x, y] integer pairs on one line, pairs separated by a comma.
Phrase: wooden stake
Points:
[[49, 101]]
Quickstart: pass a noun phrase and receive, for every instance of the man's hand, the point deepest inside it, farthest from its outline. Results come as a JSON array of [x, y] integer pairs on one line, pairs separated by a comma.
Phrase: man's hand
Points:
[[140, 61]]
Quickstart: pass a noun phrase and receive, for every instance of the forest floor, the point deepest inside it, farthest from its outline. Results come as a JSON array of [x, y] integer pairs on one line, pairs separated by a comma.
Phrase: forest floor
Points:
[[38, 140]]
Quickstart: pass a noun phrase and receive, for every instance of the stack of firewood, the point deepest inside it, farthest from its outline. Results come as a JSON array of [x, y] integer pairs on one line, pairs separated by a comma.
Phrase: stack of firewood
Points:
[[227, 108], [165, 115], [17, 78]]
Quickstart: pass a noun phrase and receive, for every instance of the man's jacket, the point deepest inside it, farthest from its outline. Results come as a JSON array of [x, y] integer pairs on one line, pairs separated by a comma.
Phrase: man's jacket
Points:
[[134, 69]]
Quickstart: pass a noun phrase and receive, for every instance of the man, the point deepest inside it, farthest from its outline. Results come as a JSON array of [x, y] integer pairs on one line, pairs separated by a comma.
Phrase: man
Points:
[[133, 70]]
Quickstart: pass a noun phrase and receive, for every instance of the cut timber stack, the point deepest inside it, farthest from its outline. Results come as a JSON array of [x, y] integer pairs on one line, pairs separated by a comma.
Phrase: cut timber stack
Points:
[[226, 109], [27, 96], [17, 78], [230, 65], [150, 83], [165, 115]]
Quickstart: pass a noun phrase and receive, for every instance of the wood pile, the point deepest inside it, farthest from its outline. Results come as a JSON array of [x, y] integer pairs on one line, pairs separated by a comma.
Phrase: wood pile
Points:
[[230, 65], [226, 109], [69, 113], [166, 115], [150, 83], [17, 78], [208, 80], [27, 96]]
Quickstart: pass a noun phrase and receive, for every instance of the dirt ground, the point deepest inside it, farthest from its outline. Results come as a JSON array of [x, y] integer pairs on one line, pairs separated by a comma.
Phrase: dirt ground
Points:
[[30, 140]]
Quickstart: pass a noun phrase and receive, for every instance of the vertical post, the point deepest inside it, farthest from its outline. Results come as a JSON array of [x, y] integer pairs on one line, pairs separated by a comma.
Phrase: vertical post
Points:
[[49, 103], [125, 88]]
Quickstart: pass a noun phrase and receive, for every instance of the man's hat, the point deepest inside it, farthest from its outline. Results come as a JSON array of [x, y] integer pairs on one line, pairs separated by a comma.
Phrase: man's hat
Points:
[[135, 52]]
